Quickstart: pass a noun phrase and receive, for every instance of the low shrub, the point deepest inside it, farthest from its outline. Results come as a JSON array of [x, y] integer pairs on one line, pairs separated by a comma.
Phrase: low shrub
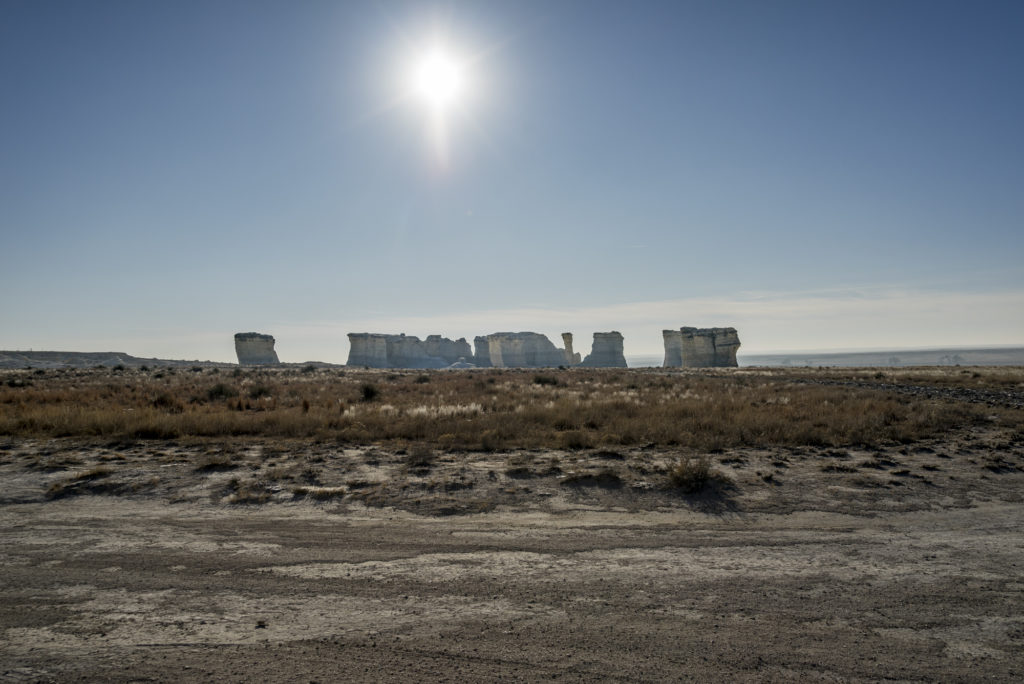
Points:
[[575, 440], [420, 459], [693, 474], [221, 391], [247, 492], [259, 391]]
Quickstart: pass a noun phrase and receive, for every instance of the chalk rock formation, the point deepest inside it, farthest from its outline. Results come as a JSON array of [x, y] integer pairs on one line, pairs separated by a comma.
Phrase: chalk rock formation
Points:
[[571, 359], [378, 350], [727, 343], [368, 349], [255, 349], [449, 350], [517, 350], [606, 351], [701, 347], [482, 351], [673, 348]]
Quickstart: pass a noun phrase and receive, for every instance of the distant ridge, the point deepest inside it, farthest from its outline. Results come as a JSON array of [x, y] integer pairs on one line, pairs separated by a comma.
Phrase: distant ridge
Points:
[[1006, 356], [69, 359], [982, 356]]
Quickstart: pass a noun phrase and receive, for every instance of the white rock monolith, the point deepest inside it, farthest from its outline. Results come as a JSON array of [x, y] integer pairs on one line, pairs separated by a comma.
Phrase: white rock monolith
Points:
[[606, 351], [255, 349]]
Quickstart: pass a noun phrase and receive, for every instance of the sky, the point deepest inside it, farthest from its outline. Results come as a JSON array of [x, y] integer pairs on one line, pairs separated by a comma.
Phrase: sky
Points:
[[820, 175]]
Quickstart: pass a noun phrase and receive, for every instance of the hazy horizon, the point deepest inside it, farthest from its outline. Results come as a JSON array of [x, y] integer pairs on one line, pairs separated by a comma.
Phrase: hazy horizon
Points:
[[643, 359], [817, 175]]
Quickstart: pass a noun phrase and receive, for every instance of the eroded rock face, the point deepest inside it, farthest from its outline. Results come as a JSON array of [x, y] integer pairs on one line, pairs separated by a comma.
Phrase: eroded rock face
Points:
[[727, 343], [368, 349], [518, 350], [606, 351], [701, 347], [443, 348], [673, 348], [571, 359], [482, 351], [497, 350], [254, 349], [377, 350], [407, 352]]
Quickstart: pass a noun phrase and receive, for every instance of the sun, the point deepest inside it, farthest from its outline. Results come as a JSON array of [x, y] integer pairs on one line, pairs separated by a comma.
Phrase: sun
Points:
[[438, 79]]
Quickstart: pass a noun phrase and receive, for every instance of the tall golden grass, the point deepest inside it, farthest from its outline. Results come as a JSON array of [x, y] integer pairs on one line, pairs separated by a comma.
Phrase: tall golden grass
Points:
[[474, 410]]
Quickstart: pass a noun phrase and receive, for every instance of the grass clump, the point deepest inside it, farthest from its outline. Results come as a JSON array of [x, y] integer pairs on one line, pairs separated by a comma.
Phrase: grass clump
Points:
[[319, 493], [75, 483], [221, 391], [420, 459], [168, 403], [575, 440], [259, 391], [368, 392], [694, 474], [215, 462], [247, 492]]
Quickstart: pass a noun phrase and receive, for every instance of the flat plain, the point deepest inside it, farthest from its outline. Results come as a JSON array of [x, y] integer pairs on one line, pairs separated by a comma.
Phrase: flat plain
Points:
[[311, 524]]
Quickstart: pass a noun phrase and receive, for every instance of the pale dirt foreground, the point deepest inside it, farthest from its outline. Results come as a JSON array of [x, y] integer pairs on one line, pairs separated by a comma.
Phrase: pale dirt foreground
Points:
[[810, 575]]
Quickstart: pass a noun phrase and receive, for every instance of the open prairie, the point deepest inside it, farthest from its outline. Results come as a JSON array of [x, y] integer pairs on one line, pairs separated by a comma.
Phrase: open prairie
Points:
[[310, 524]]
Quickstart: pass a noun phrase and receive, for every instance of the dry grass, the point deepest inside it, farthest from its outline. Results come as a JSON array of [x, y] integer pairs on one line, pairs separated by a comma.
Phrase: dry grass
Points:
[[320, 493], [72, 484], [485, 410], [247, 491]]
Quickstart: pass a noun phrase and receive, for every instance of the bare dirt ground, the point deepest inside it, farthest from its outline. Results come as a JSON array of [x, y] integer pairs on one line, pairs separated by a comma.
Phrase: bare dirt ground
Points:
[[276, 560]]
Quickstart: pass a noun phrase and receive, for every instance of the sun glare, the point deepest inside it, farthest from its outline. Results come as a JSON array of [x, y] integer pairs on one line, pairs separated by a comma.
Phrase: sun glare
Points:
[[438, 79]]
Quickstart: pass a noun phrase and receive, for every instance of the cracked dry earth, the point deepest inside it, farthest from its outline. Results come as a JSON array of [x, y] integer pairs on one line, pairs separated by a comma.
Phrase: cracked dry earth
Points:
[[903, 564]]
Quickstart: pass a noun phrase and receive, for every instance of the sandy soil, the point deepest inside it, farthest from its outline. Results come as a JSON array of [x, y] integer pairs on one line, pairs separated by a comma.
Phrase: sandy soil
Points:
[[130, 562]]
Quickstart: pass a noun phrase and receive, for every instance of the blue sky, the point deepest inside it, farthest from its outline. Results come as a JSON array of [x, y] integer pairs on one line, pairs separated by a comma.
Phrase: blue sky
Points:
[[822, 175]]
